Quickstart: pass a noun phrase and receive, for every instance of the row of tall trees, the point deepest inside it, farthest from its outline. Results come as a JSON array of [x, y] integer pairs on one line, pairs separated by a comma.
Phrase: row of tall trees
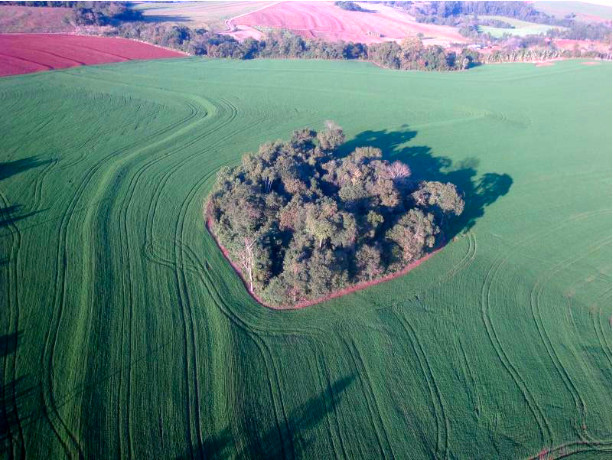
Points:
[[409, 55], [300, 221], [541, 54]]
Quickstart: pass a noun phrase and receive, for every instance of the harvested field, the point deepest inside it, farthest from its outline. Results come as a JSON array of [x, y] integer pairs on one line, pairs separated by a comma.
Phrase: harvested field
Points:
[[27, 53], [125, 333], [211, 15], [27, 19], [327, 21]]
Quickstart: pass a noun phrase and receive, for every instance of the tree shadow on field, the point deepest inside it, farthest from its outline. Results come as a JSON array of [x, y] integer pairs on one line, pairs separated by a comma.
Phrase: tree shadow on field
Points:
[[8, 344], [10, 168], [17, 397], [12, 213], [278, 441], [478, 191], [164, 18]]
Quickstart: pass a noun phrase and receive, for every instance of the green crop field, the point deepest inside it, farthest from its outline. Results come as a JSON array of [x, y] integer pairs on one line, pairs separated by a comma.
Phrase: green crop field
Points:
[[520, 28], [125, 333]]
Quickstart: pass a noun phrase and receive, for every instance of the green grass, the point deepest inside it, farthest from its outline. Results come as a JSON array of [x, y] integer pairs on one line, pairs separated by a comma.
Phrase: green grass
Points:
[[124, 332], [521, 28]]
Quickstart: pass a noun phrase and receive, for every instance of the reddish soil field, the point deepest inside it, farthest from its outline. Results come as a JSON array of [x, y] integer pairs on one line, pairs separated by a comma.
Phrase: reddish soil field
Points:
[[327, 21], [26, 53]]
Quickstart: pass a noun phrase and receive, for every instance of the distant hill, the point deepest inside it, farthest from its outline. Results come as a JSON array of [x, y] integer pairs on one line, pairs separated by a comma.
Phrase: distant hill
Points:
[[584, 11]]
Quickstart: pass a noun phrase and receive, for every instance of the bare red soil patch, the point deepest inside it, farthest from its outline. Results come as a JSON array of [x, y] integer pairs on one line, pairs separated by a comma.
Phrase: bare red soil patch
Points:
[[333, 295], [327, 21], [26, 53]]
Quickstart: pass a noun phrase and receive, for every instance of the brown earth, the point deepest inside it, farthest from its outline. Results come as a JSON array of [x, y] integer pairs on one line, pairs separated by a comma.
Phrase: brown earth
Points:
[[329, 22], [26, 53]]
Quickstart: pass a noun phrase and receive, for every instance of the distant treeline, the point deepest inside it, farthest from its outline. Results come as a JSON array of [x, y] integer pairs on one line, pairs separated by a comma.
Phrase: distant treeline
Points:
[[351, 6], [447, 13], [470, 28], [104, 13], [583, 31], [536, 48], [539, 54], [91, 13], [463, 15], [44, 4], [411, 54], [442, 11]]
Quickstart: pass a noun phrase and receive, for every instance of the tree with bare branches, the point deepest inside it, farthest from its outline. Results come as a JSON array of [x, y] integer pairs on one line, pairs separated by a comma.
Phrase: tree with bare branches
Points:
[[247, 260]]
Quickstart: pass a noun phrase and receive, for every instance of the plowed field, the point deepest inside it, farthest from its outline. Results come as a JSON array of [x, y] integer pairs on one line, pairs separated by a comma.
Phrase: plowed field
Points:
[[26, 53]]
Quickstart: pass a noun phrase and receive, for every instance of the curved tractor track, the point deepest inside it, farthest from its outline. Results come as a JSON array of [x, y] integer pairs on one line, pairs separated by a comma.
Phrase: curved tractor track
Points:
[[127, 334]]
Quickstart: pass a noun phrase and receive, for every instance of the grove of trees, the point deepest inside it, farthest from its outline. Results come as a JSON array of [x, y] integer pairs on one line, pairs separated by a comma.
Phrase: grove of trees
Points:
[[300, 221], [411, 54], [350, 6]]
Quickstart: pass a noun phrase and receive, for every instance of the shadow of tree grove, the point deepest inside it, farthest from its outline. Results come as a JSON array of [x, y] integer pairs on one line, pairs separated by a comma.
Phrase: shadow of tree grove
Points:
[[477, 191], [275, 442]]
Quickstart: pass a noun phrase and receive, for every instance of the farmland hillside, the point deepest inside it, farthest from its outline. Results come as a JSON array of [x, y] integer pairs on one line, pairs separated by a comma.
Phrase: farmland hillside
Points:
[[451, 35], [211, 15], [327, 21], [125, 332], [25, 53], [586, 11]]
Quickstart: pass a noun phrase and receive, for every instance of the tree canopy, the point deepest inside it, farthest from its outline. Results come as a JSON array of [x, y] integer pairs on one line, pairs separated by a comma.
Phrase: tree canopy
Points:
[[300, 221]]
